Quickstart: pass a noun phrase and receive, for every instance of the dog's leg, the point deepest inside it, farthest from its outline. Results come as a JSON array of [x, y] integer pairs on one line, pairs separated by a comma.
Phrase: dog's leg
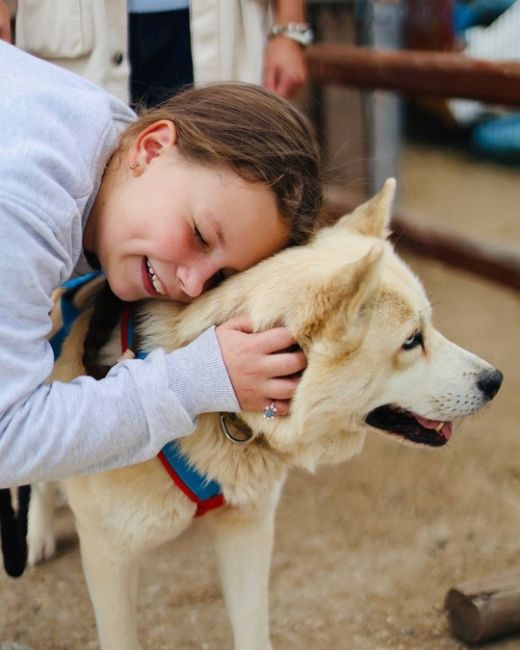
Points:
[[244, 546], [112, 580], [40, 533]]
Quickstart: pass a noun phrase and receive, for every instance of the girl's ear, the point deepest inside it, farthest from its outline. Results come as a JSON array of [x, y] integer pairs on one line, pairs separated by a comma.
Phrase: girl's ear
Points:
[[151, 142]]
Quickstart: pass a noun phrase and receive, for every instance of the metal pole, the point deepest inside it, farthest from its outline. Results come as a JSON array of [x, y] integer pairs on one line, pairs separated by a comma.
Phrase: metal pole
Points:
[[380, 24]]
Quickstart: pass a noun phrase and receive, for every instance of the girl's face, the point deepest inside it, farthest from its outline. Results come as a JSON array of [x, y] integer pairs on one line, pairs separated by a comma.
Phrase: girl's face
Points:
[[165, 228]]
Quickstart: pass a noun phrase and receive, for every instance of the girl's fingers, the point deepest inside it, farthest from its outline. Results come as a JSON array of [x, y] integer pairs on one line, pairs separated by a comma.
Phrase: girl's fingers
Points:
[[280, 389], [266, 342], [285, 363], [282, 407], [259, 366], [274, 340], [240, 323]]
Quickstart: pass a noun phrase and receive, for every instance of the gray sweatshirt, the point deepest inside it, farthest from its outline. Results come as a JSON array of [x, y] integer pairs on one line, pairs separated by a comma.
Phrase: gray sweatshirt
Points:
[[57, 134]]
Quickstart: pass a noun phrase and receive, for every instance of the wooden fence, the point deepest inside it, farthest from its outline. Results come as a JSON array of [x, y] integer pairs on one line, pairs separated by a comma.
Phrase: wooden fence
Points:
[[426, 73]]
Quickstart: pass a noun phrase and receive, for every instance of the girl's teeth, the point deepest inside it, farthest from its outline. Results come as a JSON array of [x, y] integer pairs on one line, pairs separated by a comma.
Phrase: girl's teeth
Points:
[[157, 284]]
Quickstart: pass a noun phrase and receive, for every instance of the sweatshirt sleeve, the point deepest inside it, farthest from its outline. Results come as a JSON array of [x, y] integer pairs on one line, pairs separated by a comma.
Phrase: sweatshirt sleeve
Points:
[[212, 391], [51, 431]]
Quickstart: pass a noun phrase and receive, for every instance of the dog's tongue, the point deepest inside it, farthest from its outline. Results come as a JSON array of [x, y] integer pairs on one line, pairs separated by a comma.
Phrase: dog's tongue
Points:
[[445, 429]]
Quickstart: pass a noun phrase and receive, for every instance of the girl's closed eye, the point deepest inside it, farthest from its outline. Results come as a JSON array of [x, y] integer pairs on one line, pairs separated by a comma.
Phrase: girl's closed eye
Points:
[[203, 243]]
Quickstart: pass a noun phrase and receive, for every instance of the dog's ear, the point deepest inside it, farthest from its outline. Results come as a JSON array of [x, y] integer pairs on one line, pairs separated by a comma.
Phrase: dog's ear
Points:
[[373, 217], [345, 294], [344, 325], [359, 289], [365, 281]]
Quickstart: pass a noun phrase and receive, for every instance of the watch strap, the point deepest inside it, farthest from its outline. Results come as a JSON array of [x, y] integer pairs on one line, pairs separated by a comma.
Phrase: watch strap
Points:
[[299, 32]]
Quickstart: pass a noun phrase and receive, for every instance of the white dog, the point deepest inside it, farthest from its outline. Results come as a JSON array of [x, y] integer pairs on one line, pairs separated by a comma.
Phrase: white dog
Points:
[[375, 362]]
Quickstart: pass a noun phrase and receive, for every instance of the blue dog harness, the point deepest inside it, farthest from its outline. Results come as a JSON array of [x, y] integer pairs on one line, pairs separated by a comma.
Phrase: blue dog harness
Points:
[[206, 494], [69, 311]]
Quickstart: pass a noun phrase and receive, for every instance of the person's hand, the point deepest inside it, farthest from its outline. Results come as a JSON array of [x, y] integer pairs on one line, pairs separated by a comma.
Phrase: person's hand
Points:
[[260, 368], [285, 70], [5, 22]]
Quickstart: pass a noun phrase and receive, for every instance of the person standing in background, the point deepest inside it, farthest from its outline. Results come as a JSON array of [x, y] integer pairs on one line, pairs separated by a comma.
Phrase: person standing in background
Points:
[[7, 8], [144, 51]]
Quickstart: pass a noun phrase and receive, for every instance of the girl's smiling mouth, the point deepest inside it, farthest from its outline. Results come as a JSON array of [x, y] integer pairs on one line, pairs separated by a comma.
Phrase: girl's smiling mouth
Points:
[[152, 283]]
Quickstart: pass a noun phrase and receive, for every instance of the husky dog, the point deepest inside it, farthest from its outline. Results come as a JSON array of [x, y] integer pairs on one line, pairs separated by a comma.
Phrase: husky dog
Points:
[[375, 363]]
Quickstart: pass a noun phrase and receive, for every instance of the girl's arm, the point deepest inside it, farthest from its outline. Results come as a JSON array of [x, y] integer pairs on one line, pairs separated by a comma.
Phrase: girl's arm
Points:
[[57, 430]]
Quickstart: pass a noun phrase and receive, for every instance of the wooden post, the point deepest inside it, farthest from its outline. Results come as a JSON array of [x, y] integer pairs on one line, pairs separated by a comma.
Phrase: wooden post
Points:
[[429, 25], [485, 608]]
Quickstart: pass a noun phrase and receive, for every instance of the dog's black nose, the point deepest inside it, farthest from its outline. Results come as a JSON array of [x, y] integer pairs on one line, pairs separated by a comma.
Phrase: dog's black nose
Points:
[[489, 382]]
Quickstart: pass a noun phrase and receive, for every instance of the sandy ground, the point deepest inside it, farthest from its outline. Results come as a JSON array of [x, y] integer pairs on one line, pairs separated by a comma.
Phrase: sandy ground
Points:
[[365, 552]]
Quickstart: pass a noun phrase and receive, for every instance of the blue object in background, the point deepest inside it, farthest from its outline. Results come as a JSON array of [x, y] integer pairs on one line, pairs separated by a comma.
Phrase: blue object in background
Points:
[[498, 139], [478, 12]]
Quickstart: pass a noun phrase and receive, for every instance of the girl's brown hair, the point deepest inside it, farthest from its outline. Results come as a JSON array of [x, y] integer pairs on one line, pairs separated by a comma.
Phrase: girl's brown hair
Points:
[[260, 136]]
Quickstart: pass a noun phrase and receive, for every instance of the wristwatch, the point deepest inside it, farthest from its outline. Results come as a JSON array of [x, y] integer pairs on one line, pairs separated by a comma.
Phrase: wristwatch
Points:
[[299, 32]]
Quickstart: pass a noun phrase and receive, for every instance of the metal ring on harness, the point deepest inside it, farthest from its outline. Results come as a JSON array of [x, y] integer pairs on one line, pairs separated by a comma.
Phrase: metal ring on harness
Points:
[[235, 430]]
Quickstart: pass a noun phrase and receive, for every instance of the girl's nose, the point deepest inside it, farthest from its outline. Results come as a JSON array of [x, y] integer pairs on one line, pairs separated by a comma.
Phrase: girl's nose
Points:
[[192, 280]]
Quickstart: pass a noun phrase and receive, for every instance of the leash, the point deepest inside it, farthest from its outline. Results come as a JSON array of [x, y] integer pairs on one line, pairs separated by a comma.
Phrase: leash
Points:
[[13, 524], [205, 493], [13, 530]]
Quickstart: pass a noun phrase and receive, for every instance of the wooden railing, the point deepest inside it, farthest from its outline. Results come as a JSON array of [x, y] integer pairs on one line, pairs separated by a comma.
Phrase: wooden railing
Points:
[[439, 74], [496, 262], [412, 72]]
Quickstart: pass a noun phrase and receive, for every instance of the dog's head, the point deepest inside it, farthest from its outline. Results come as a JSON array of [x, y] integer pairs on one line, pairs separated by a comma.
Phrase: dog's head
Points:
[[375, 361]]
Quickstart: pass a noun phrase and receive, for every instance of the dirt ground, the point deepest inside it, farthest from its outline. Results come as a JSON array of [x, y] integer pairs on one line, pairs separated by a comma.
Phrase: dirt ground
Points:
[[366, 551]]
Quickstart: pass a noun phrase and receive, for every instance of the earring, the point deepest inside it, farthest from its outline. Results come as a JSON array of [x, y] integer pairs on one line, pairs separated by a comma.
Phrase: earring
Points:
[[134, 165]]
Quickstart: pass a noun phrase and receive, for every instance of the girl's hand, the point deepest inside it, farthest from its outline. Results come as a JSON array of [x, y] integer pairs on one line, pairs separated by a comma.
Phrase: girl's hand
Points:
[[260, 368], [285, 70]]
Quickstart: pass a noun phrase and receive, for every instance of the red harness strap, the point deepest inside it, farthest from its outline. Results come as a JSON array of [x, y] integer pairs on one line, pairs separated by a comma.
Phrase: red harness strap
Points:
[[203, 505], [206, 494]]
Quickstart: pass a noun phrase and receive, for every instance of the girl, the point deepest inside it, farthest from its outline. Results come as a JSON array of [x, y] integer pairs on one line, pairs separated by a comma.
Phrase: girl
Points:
[[167, 204]]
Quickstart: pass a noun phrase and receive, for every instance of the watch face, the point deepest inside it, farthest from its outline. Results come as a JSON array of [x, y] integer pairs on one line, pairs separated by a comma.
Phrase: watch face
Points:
[[301, 33], [307, 37]]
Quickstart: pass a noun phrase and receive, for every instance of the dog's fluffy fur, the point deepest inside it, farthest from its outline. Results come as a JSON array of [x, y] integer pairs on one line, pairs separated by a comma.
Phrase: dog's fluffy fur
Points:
[[364, 322]]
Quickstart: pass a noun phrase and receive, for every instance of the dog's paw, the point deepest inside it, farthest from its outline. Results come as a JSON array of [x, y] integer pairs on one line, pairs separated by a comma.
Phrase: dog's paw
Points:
[[42, 546], [41, 539]]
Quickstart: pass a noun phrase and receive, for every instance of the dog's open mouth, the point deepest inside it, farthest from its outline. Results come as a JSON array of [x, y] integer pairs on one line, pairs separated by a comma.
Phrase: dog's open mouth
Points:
[[406, 424]]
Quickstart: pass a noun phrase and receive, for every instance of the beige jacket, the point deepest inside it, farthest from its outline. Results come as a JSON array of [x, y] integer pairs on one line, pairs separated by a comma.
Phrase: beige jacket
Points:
[[89, 37]]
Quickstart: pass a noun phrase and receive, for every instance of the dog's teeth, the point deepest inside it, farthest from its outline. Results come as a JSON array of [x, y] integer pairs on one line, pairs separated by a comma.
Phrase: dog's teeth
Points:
[[439, 427]]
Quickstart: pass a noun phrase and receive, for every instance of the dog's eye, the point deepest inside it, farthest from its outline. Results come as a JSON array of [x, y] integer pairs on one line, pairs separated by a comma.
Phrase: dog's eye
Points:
[[412, 342]]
